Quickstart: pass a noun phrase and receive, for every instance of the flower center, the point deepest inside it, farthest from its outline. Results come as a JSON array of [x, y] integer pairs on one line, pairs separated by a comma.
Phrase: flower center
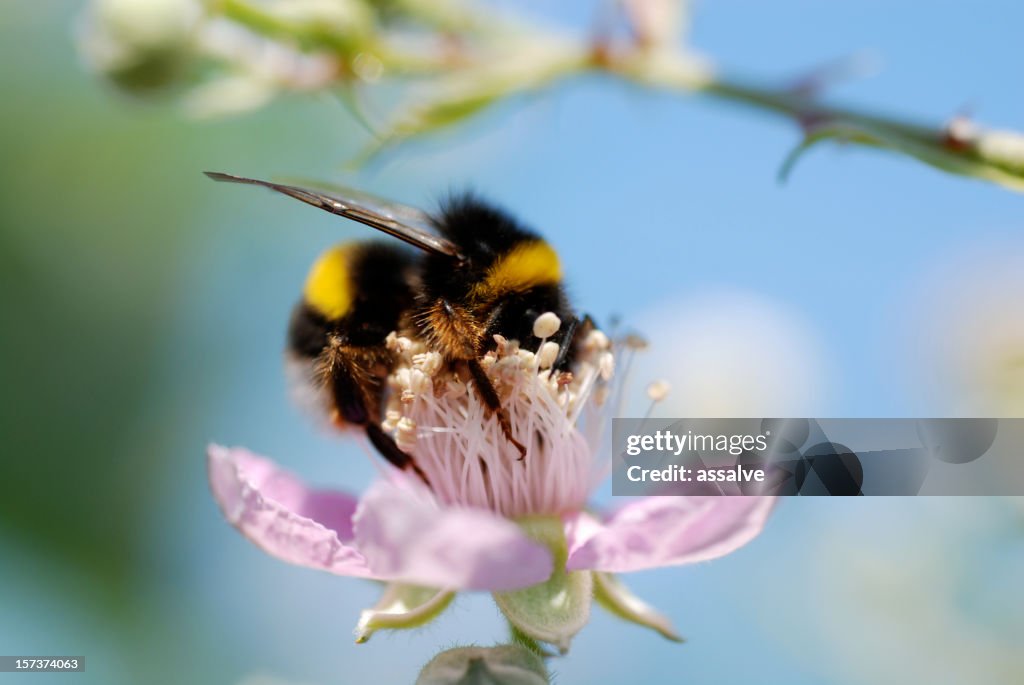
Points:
[[438, 417]]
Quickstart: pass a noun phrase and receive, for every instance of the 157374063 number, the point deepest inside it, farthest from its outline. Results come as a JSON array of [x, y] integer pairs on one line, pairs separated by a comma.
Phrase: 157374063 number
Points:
[[51, 664]]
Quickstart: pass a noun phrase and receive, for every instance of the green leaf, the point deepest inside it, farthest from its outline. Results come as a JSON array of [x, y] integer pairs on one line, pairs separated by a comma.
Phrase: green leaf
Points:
[[555, 610], [613, 595], [402, 606], [972, 160], [501, 665]]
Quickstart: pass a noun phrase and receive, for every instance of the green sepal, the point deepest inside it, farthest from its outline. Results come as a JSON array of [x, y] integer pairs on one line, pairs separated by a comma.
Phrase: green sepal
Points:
[[555, 610], [402, 606], [501, 665], [613, 595]]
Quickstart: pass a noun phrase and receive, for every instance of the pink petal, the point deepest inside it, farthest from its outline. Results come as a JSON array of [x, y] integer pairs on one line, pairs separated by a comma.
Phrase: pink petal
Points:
[[579, 528], [668, 531], [281, 515], [406, 537]]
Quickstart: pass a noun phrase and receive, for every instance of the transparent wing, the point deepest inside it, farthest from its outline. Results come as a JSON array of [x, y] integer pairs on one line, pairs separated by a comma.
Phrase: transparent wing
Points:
[[406, 223]]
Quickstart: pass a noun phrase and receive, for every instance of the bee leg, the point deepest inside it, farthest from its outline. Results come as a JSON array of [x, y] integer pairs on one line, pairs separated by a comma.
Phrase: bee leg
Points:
[[490, 398], [575, 330], [352, 406], [568, 343], [388, 449]]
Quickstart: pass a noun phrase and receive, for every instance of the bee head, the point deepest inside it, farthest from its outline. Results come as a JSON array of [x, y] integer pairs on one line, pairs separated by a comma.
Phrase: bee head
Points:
[[499, 255]]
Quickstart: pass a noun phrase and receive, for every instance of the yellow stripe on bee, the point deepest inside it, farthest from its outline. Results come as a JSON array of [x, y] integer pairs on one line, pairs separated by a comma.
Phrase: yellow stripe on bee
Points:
[[530, 264], [329, 288]]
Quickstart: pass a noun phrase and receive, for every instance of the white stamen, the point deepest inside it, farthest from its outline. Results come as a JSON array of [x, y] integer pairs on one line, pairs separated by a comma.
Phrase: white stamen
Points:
[[658, 390], [419, 382], [391, 419], [460, 447], [428, 362], [546, 325], [547, 354], [405, 435], [398, 343], [634, 342], [606, 365], [597, 340]]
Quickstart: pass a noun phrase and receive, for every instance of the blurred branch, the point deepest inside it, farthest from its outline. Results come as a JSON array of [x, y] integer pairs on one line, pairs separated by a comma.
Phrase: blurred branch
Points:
[[958, 147], [455, 59]]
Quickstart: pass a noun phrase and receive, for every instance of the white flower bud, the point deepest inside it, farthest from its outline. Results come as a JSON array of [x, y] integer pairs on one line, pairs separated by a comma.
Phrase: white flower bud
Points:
[[1002, 147], [139, 44]]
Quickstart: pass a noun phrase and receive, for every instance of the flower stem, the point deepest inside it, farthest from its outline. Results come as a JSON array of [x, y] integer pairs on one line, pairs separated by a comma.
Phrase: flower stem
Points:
[[523, 640]]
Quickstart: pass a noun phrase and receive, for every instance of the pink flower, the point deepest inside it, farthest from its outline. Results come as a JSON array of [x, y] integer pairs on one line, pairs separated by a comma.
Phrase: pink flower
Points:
[[489, 521]]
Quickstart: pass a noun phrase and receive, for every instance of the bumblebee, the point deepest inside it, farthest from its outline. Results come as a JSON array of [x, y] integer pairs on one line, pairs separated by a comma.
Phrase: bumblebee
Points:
[[481, 273]]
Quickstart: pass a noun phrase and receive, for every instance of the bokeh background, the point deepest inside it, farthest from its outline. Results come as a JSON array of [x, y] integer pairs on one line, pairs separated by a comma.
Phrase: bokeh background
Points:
[[144, 309]]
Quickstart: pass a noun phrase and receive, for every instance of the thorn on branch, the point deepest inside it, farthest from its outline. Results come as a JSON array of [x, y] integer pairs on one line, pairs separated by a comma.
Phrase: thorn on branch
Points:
[[857, 66], [603, 32], [960, 134], [811, 121]]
